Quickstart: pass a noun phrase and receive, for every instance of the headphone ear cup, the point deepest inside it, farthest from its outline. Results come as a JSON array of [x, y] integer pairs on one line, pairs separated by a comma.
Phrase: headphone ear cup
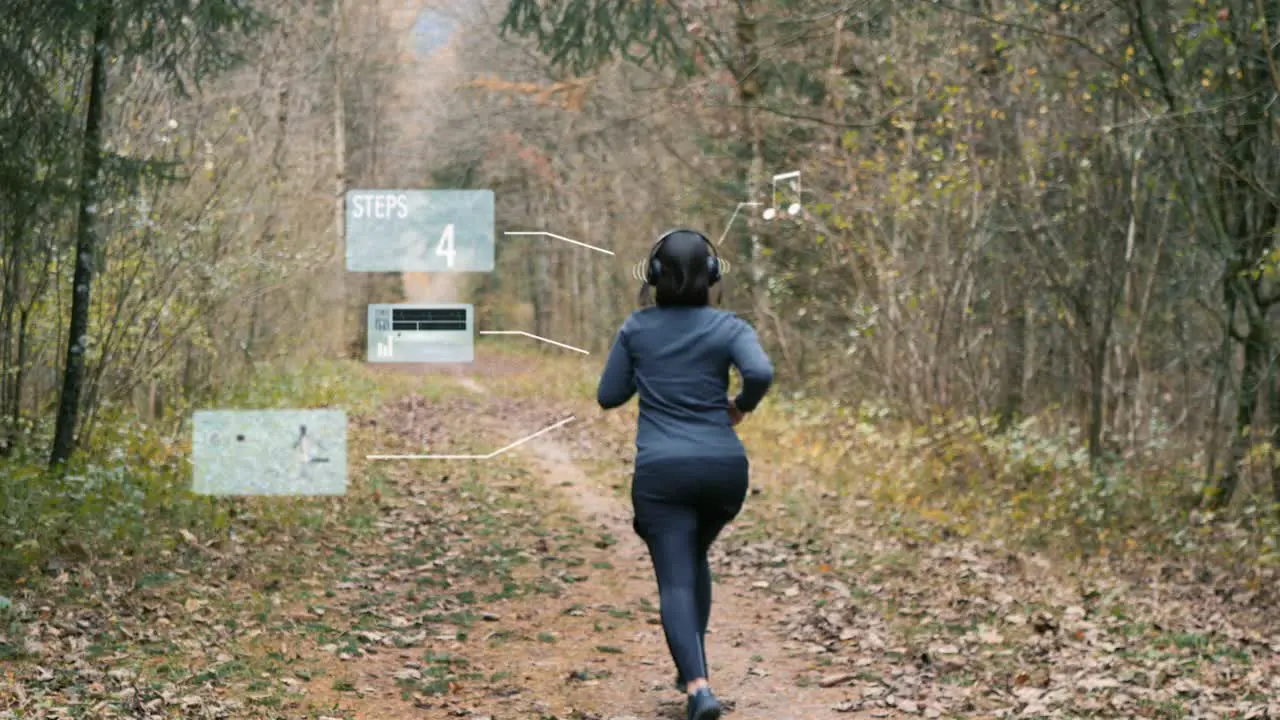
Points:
[[713, 269], [655, 269]]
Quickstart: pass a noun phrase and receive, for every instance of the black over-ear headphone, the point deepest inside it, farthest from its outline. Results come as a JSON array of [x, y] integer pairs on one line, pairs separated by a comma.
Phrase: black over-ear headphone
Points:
[[655, 265]]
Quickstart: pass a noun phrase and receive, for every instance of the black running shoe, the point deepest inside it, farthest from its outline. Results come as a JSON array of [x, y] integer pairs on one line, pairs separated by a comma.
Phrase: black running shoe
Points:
[[704, 706]]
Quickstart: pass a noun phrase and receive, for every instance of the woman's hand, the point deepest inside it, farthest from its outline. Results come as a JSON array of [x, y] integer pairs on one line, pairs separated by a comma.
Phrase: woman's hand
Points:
[[735, 415]]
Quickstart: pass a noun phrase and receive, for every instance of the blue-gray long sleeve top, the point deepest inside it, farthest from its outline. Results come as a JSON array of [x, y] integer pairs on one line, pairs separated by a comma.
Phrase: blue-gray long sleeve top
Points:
[[677, 360]]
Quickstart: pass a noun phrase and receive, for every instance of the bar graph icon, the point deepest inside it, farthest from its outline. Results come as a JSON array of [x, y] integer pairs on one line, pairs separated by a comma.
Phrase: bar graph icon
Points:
[[387, 349], [421, 333]]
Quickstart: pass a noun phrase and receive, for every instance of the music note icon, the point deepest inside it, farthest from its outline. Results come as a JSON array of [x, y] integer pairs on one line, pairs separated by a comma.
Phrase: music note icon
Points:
[[794, 208]]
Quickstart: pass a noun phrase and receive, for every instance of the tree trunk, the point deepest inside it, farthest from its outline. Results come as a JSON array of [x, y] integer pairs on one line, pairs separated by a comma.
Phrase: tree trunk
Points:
[[1013, 368], [271, 223], [9, 391], [86, 243], [1138, 424], [1123, 387], [20, 371], [1273, 413], [560, 314], [591, 311], [339, 174], [576, 310], [748, 91], [540, 267], [541, 293], [1097, 396], [1219, 388], [1098, 336], [374, 117], [1255, 360]]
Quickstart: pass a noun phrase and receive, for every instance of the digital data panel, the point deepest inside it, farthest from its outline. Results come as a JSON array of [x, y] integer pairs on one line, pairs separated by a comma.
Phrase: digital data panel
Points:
[[419, 230], [269, 452], [421, 333]]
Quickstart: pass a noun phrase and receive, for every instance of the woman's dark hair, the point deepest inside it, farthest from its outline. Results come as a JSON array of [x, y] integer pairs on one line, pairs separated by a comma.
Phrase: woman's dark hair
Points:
[[684, 280]]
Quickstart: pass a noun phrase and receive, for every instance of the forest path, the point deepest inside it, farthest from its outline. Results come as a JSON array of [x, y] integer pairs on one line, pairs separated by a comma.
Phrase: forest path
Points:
[[586, 642], [513, 587], [826, 605], [754, 669]]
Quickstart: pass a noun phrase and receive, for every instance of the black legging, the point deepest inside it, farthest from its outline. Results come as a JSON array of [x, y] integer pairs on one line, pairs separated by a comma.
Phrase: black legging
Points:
[[680, 508]]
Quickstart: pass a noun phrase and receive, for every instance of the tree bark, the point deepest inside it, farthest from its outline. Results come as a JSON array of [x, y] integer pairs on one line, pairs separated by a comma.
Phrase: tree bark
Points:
[[20, 370], [339, 174], [1273, 413], [540, 266], [592, 310], [1097, 391], [748, 91], [10, 392], [86, 242], [1013, 367], [1255, 361]]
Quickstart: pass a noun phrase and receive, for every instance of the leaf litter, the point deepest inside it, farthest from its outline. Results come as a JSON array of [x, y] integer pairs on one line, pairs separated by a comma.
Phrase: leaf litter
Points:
[[514, 588]]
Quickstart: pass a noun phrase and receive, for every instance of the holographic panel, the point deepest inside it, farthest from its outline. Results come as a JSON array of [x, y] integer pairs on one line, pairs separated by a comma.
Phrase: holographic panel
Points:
[[419, 230], [270, 452], [421, 333]]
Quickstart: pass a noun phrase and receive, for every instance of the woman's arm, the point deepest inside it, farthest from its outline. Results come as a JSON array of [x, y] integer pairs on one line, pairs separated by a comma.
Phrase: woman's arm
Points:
[[618, 383], [753, 364]]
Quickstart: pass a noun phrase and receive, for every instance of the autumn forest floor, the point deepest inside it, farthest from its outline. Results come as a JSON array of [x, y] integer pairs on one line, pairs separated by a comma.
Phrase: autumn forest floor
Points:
[[514, 588]]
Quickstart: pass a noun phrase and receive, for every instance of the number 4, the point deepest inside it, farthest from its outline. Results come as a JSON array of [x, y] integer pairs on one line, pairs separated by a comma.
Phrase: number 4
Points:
[[445, 248]]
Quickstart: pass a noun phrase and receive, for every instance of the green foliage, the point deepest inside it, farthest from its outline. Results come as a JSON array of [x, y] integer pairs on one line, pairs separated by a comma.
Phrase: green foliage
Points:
[[798, 78], [315, 384], [184, 39], [43, 45], [133, 496], [1031, 487], [129, 493], [581, 35]]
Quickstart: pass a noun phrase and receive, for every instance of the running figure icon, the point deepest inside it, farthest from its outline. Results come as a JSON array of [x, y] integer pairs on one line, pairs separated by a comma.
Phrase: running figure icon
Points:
[[304, 447]]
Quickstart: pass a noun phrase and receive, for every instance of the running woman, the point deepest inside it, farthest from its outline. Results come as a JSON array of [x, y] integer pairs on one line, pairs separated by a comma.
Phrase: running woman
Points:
[[691, 468]]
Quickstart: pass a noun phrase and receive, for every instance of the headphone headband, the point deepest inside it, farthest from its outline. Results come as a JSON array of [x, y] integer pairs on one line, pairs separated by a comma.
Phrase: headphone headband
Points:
[[655, 266]]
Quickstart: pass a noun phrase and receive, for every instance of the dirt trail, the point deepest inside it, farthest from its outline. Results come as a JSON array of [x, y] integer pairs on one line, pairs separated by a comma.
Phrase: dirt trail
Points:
[[596, 651], [514, 587], [846, 617], [753, 670], [618, 666]]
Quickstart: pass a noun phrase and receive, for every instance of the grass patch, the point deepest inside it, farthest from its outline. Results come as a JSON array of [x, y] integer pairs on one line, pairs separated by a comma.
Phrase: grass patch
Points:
[[125, 495], [1031, 488]]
